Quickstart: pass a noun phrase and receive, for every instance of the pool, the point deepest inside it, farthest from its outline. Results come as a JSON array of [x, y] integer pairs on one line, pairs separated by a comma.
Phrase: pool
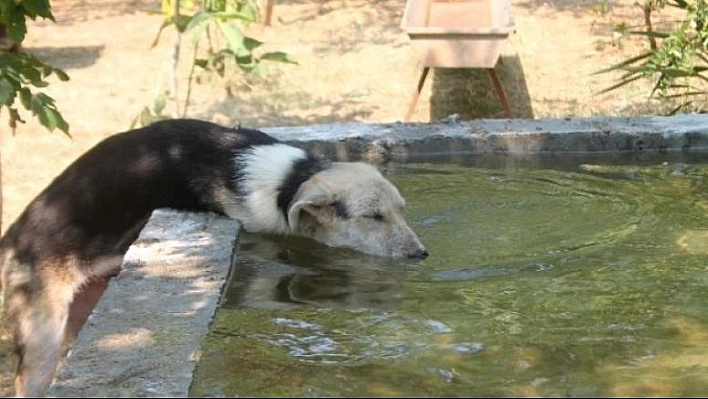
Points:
[[548, 276]]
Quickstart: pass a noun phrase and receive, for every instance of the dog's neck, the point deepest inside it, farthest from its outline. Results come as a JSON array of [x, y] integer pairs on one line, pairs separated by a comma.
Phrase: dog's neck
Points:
[[302, 169], [269, 176]]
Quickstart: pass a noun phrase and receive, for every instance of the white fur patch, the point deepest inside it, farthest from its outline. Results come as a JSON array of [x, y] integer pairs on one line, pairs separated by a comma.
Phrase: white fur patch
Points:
[[264, 168]]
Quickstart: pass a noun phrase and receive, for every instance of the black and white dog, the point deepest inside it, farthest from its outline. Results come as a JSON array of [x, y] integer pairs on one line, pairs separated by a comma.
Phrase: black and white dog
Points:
[[75, 233]]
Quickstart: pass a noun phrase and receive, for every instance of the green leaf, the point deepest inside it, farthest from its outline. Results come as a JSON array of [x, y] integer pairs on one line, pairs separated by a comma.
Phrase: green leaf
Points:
[[678, 108], [26, 97], [249, 11], [13, 78], [245, 59], [134, 123], [620, 84], [160, 103], [36, 8], [678, 72], [689, 93], [214, 5], [201, 62], [247, 67], [278, 56], [46, 70], [9, 61], [6, 7], [232, 16], [656, 87], [181, 22], [61, 74], [251, 43], [47, 118], [625, 63], [658, 35], [43, 108], [145, 117], [7, 92], [31, 74], [60, 122], [198, 20], [198, 33], [234, 36], [16, 26]]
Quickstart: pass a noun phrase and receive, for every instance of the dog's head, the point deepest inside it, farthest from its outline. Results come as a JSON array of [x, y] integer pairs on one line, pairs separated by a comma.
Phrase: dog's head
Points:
[[352, 205]]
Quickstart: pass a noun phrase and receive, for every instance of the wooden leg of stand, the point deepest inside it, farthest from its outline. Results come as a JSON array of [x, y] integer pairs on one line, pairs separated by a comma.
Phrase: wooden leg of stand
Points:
[[267, 7], [416, 94], [500, 91]]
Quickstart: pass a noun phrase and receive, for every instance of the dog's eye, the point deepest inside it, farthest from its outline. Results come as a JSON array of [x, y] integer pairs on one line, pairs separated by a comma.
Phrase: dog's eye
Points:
[[341, 209], [376, 216]]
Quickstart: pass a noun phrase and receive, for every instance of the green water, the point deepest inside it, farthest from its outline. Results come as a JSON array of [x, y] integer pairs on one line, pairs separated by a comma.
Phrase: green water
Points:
[[579, 280]]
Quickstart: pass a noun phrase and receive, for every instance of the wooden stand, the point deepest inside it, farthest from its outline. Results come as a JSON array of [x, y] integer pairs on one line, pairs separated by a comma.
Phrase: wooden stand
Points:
[[458, 34]]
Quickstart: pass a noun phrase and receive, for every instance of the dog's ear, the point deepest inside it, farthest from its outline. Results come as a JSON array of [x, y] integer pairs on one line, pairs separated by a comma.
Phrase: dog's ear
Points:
[[311, 199]]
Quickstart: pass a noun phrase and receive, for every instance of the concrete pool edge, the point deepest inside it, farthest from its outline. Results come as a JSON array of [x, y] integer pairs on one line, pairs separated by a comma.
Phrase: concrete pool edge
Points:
[[400, 141], [144, 338]]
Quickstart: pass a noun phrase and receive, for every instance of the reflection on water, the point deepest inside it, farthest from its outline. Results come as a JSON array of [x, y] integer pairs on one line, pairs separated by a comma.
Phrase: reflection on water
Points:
[[576, 279], [283, 272]]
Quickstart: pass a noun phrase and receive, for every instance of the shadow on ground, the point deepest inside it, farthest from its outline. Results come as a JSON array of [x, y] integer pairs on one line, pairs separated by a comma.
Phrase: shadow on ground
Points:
[[287, 108], [72, 57], [577, 7], [471, 94], [71, 12]]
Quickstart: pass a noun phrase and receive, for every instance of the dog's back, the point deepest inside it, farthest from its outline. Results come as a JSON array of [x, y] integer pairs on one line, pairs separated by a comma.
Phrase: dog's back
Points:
[[77, 230], [103, 198]]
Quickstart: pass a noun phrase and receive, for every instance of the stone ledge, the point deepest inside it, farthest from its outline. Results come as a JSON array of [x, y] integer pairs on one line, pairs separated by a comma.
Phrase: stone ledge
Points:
[[144, 337], [401, 141]]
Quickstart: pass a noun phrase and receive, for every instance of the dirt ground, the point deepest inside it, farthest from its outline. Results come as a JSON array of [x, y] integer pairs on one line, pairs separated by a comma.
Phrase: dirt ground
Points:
[[354, 64]]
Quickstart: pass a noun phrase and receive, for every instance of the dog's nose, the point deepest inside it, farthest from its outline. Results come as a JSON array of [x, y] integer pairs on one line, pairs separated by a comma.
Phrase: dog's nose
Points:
[[419, 253]]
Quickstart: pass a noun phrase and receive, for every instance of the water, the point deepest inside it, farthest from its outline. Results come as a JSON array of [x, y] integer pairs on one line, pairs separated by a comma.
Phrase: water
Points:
[[581, 279]]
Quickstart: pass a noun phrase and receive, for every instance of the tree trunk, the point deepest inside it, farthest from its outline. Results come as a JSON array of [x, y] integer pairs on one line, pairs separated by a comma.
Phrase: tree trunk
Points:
[[175, 56], [650, 29], [647, 8], [1, 201], [5, 42]]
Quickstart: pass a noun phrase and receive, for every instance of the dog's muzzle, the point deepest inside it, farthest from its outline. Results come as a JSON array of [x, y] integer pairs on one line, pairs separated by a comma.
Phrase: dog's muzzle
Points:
[[419, 253]]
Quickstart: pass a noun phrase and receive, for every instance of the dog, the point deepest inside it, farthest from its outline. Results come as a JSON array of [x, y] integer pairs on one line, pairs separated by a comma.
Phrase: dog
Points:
[[72, 237]]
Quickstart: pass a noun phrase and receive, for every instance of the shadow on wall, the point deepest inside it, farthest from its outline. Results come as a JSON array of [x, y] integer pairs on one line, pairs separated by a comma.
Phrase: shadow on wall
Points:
[[470, 93]]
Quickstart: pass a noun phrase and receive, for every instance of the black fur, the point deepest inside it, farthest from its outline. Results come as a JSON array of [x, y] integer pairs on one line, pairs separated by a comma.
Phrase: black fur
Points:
[[302, 170], [99, 204]]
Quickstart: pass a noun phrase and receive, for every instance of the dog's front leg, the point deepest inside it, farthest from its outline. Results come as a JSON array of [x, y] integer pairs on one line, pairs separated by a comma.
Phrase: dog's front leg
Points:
[[38, 341], [37, 314], [83, 304]]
